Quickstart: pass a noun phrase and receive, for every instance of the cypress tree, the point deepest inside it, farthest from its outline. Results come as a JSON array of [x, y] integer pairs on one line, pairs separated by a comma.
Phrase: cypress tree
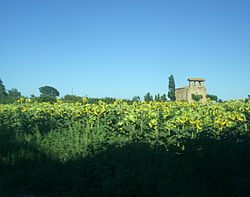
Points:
[[171, 88]]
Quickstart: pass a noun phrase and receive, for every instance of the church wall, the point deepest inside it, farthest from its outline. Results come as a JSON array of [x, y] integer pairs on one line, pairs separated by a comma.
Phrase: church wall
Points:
[[181, 94], [195, 87]]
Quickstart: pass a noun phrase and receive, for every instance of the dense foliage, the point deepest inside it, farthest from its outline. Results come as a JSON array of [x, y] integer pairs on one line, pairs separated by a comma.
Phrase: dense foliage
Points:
[[8, 96], [48, 91], [120, 149], [212, 97], [196, 97]]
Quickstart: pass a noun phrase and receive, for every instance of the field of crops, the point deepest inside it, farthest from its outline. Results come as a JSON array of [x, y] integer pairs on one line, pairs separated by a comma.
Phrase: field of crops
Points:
[[58, 137]]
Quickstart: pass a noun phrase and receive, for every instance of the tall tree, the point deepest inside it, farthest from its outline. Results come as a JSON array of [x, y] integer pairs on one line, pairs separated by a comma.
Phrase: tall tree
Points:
[[148, 97], [164, 97], [3, 93], [48, 91], [157, 97], [2, 89], [171, 88]]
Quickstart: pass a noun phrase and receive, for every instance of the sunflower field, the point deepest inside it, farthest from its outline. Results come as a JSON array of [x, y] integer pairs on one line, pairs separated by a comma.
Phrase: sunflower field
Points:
[[163, 123], [68, 131]]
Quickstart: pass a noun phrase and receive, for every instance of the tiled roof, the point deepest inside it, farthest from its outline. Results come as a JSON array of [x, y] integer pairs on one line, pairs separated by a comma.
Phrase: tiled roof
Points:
[[196, 79]]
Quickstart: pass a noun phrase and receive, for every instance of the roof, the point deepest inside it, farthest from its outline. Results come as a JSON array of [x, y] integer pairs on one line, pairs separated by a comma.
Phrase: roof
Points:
[[182, 88], [196, 79]]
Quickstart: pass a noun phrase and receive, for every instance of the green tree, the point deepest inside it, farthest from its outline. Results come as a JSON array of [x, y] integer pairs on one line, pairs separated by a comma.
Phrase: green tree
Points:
[[196, 97], [247, 99], [171, 88], [212, 97], [136, 98], [72, 98], [148, 97], [34, 98], [220, 100], [164, 97], [157, 97], [48, 94], [3, 93], [48, 91], [13, 95]]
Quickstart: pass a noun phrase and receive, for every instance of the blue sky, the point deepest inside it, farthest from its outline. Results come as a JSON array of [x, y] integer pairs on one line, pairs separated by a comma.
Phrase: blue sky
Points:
[[123, 48]]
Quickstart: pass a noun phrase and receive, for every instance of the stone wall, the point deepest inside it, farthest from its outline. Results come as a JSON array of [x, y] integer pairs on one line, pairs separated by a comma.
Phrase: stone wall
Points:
[[181, 94], [197, 91], [195, 87]]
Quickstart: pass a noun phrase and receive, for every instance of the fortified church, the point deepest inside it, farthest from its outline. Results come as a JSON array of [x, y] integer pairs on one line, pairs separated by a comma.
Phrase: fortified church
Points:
[[196, 86]]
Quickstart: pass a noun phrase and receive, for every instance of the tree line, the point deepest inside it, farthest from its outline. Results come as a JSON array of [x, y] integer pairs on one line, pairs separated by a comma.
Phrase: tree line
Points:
[[50, 94], [8, 96]]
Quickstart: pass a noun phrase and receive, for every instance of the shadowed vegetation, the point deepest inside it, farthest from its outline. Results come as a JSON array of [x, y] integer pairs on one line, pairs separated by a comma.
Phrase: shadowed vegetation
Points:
[[143, 149], [207, 167]]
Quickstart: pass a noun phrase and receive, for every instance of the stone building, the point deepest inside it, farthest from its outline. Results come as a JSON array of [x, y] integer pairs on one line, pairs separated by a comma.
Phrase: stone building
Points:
[[196, 86]]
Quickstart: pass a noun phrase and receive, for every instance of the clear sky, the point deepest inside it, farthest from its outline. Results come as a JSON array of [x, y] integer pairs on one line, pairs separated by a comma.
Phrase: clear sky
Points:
[[123, 48]]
